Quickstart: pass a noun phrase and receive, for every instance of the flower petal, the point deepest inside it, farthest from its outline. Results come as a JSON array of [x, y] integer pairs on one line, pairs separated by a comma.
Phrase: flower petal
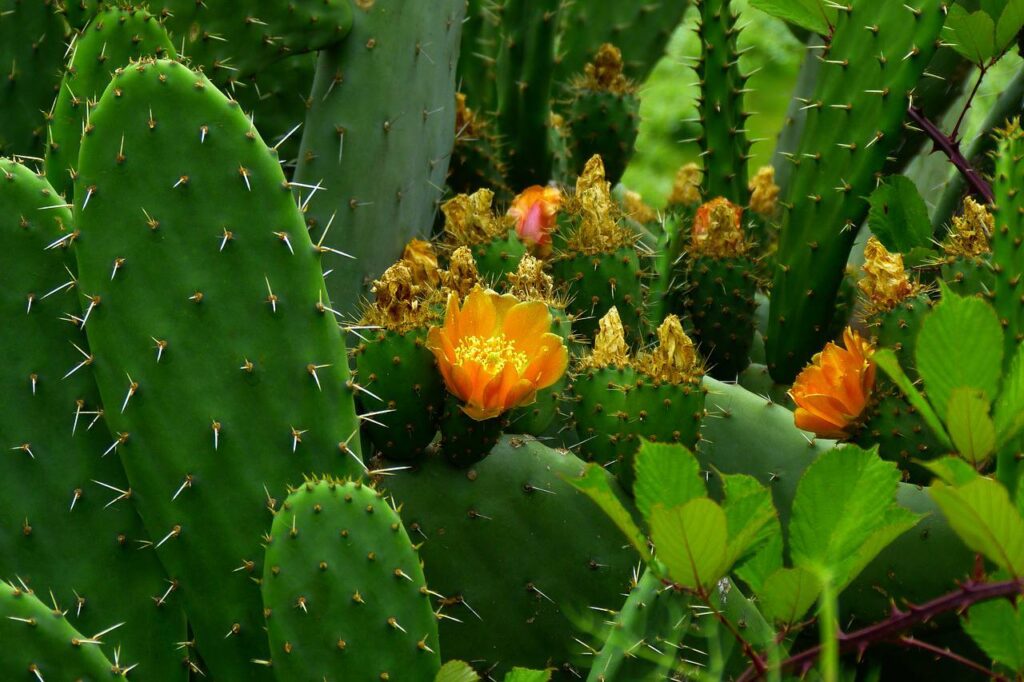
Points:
[[525, 324]]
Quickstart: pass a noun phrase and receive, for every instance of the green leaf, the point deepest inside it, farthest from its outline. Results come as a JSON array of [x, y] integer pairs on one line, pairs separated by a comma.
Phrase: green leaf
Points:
[[973, 34], [666, 474], [525, 675], [1010, 23], [960, 345], [1009, 408], [456, 671], [814, 15], [765, 561], [748, 512], [952, 470], [843, 510], [998, 628], [788, 593], [886, 359], [691, 542], [595, 483], [981, 513], [970, 426], [899, 216]]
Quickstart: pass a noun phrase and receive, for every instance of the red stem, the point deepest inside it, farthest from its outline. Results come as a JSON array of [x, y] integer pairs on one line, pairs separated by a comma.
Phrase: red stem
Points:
[[952, 151], [939, 652], [891, 628]]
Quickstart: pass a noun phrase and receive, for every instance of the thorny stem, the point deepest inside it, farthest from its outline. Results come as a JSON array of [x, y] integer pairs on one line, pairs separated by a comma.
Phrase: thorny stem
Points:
[[756, 662], [891, 629], [939, 652], [954, 136], [952, 151]]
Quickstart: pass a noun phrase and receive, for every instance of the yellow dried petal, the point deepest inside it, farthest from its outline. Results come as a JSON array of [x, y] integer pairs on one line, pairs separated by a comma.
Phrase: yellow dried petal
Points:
[[885, 282]]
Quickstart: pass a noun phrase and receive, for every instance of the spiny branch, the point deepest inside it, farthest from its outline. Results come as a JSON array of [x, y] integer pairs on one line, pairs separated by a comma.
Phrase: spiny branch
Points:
[[952, 151], [891, 629]]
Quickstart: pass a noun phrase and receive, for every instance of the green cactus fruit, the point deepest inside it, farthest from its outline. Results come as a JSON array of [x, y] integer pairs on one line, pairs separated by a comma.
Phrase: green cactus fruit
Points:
[[599, 259], [899, 431], [477, 156], [217, 355], [233, 40], [113, 38], [344, 591], [898, 328], [1008, 237], [42, 645], [528, 31], [669, 265], [530, 283], [643, 642], [69, 522], [393, 363], [32, 48], [641, 29], [968, 275], [867, 74], [470, 221], [464, 440], [524, 561], [604, 116], [724, 145], [720, 285], [381, 160]]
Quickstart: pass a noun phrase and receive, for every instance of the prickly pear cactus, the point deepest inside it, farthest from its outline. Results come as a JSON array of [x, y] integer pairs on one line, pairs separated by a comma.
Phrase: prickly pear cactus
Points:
[[470, 221], [66, 509], [218, 358], [380, 159], [343, 589]]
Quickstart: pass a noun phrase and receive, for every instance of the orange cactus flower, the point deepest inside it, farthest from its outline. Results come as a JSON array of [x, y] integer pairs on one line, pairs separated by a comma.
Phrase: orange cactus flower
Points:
[[496, 352], [535, 212], [833, 391]]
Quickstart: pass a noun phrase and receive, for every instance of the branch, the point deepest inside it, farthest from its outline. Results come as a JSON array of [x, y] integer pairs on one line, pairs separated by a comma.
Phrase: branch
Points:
[[939, 652], [890, 629], [952, 151]]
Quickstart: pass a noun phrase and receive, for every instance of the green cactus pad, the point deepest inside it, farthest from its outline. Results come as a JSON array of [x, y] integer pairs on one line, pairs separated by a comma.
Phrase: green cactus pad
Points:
[[222, 369], [602, 281], [381, 159], [495, 259], [112, 39], [721, 306], [900, 433], [68, 520], [42, 645], [969, 276], [344, 591], [522, 558], [31, 54], [464, 440], [876, 54], [402, 371], [604, 123]]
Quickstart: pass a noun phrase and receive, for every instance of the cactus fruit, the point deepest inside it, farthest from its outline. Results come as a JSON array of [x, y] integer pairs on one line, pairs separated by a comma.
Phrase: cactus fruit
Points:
[[31, 51], [522, 558], [42, 645], [113, 38], [221, 365], [395, 362], [724, 144], [476, 156], [902, 436], [721, 287], [604, 116], [66, 510], [854, 119], [380, 159], [469, 220], [343, 589], [600, 261]]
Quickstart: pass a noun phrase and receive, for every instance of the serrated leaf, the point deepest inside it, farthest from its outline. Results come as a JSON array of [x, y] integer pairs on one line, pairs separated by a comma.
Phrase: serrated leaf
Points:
[[691, 542], [973, 34], [887, 361], [788, 593], [526, 675], [998, 628], [844, 505], [952, 470], [960, 345], [1009, 407], [595, 483], [765, 561], [748, 513], [814, 15], [666, 474], [456, 671], [981, 513], [970, 425], [1011, 20], [899, 216]]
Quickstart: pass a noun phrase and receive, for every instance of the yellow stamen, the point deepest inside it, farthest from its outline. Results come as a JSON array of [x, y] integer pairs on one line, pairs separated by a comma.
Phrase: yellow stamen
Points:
[[492, 353]]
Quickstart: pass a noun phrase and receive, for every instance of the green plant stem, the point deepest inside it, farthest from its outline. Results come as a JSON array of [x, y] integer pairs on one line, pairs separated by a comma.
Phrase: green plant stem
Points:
[[828, 625]]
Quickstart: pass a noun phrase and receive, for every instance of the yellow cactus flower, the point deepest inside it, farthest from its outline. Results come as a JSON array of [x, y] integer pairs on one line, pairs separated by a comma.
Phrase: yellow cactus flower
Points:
[[764, 193], [833, 391], [495, 352], [535, 212], [885, 281]]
